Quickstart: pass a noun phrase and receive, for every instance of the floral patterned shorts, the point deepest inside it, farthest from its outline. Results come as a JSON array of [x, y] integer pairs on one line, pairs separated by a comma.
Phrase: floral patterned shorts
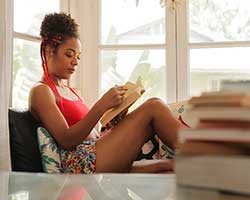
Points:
[[80, 160]]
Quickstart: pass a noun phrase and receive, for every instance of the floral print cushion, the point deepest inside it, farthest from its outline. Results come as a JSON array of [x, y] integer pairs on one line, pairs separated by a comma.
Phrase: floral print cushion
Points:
[[49, 152]]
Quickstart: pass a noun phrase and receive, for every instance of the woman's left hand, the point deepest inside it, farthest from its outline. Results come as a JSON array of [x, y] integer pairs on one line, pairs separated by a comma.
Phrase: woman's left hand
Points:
[[113, 97]]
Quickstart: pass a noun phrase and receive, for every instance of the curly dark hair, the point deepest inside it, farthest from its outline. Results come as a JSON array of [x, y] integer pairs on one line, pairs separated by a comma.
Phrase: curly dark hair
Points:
[[58, 24], [55, 29]]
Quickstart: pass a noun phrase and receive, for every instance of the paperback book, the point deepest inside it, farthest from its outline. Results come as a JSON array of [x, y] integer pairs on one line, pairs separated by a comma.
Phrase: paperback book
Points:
[[134, 92]]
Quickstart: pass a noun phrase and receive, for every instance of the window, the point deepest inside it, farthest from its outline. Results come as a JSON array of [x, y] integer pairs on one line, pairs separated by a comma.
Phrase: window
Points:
[[134, 43], [211, 44], [219, 42], [26, 46], [179, 49]]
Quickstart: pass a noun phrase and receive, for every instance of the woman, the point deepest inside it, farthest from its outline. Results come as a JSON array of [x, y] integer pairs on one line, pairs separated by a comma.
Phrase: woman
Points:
[[71, 123]]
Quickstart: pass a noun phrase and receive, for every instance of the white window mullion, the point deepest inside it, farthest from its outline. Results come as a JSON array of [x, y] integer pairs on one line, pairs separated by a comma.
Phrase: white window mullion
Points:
[[6, 46], [132, 46], [171, 55], [86, 14], [182, 51], [65, 6], [219, 44], [26, 37]]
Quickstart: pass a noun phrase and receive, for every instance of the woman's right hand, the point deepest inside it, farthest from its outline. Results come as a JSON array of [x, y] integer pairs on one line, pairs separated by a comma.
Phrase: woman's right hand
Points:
[[113, 97]]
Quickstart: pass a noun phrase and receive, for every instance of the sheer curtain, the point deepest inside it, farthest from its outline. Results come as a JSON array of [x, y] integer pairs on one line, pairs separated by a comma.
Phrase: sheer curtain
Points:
[[5, 79]]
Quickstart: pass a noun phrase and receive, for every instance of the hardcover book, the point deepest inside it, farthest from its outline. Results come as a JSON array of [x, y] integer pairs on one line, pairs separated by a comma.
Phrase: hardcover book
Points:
[[218, 172], [216, 135], [134, 92], [216, 113], [226, 98]]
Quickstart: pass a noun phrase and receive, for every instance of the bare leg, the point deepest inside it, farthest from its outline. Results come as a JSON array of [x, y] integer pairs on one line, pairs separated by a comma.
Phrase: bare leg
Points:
[[117, 150]]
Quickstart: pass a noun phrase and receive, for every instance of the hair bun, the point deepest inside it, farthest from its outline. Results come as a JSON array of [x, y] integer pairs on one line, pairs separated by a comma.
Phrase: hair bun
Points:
[[58, 24]]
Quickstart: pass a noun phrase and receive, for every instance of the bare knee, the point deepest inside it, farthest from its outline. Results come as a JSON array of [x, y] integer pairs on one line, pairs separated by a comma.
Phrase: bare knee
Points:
[[154, 99], [156, 106], [154, 103]]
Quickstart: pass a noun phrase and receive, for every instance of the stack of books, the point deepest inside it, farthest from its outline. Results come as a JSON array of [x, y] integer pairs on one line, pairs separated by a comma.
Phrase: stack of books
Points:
[[215, 154]]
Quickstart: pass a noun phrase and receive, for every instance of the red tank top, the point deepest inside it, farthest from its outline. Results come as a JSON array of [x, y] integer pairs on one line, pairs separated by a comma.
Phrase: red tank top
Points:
[[72, 110]]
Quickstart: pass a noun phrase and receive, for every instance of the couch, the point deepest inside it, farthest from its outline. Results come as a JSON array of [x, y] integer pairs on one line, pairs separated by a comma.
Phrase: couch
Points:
[[25, 154]]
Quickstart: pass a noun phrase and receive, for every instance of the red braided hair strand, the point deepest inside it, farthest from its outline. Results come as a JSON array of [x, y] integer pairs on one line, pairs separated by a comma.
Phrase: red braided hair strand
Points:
[[56, 40]]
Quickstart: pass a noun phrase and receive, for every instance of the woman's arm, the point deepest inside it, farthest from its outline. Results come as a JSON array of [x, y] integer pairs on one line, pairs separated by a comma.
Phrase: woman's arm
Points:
[[43, 104]]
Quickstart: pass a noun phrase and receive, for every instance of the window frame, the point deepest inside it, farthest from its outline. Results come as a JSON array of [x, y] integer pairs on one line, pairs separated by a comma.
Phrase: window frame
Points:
[[177, 46], [88, 77], [64, 5], [184, 47]]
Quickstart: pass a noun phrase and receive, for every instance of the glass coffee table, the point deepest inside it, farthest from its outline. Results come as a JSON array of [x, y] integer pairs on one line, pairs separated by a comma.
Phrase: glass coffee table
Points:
[[29, 186], [40, 186]]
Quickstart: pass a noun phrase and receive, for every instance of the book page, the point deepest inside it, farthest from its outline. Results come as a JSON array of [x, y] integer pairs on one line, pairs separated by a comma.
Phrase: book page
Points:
[[134, 91]]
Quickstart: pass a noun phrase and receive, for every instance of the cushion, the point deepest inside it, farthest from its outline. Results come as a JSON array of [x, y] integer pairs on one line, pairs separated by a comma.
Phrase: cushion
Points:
[[25, 155], [49, 151], [150, 149], [179, 111]]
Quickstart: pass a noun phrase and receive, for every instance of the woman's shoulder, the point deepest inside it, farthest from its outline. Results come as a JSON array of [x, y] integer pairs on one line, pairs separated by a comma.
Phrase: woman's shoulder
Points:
[[40, 85], [41, 90]]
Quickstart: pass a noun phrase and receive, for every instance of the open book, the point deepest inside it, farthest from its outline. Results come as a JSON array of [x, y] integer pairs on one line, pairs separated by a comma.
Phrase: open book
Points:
[[134, 91]]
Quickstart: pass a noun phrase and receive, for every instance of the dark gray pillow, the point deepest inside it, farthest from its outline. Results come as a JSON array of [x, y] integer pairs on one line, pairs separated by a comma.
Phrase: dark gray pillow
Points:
[[25, 155]]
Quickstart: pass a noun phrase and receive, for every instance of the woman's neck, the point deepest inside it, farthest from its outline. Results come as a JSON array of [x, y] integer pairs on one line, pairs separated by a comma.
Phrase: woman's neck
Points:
[[56, 81]]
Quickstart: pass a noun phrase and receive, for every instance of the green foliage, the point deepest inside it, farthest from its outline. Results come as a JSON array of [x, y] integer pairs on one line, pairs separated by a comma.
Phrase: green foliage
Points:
[[26, 65], [162, 3], [141, 70], [24, 54], [17, 59], [218, 19], [152, 78]]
